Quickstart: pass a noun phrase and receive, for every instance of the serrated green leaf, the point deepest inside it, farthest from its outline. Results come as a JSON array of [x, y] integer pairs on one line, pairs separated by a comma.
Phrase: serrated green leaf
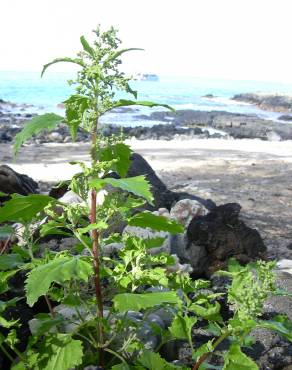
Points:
[[12, 339], [234, 266], [153, 361], [7, 323], [46, 121], [204, 348], [136, 302], [10, 261], [4, 277], [59, 270], [137, 185], [3, 194], [76, 108], [54, 228], [45, 322], [122, 366], [158, 223], [131, 91], [6, 304], [19, 366], [153, 242], [281, 324], [116, 54], [22, 208], [209, 312], [64, 353], [119, 152], [237, 360], [59, 60], [100, 225], [87, 47], [181, 326], [150, 104]]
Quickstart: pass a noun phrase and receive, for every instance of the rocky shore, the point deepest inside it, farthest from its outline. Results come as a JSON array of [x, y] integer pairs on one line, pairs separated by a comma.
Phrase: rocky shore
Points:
[[272, 102], [183, 124], [237, 126]]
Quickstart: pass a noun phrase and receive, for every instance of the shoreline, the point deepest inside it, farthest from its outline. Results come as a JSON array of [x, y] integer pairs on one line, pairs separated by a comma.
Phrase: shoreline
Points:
[[185, 124], [254, 173], [52, 158]]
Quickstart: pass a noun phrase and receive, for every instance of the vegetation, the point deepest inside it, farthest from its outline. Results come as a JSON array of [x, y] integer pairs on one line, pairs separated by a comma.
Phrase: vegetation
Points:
[[100, 305]]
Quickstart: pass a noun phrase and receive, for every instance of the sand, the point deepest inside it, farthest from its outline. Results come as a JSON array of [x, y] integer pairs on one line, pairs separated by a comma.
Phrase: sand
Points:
[[255, 173]]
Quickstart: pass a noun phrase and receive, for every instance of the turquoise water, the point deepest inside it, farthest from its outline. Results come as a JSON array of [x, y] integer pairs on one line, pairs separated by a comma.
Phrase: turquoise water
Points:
[[180, 92]]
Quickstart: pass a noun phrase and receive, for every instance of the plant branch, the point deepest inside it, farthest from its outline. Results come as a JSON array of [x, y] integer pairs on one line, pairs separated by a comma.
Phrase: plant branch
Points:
[[7, 354], [204, 357], [5, 246], [51, 309], [96, 267]]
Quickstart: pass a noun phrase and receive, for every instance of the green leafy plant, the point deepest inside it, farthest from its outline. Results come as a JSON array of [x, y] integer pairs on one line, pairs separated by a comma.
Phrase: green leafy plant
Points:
[[99, 301]]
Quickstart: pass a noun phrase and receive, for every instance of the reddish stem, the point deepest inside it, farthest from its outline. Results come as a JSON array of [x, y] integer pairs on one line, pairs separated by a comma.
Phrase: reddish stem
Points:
[[96, 268], [51, 309], [5, 246], [201, 360], [207, 354]]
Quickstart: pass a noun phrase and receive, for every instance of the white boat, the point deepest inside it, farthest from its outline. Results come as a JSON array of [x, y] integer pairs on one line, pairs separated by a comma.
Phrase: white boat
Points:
[[146, 77]]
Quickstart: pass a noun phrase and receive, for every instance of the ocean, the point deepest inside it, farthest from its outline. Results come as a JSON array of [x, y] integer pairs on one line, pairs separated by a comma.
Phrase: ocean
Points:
[[44, 94]]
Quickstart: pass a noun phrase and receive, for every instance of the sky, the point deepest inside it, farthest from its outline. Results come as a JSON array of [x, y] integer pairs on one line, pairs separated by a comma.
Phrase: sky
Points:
[[230, 39]]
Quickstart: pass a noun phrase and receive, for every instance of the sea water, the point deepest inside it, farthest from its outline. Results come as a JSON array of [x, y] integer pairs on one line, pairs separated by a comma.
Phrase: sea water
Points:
[[45, 94]]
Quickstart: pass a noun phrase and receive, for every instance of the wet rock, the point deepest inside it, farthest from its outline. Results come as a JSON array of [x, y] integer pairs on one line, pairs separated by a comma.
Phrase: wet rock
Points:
[[71, 198], [14, 182], [285, 117], [274, 102], [273, 136], [209, 96], [236, 125], [270, 351], [280, 304], [186, 209], [150, 234], [214, 238], [285, 265], [177, 350], [56, 137], [162, 196], [109, 250]]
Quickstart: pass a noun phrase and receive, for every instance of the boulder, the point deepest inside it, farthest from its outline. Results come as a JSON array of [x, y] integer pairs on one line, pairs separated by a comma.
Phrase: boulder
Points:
[[14, 182], [285, 265], [187, 209], [214, 238], [163, 198]]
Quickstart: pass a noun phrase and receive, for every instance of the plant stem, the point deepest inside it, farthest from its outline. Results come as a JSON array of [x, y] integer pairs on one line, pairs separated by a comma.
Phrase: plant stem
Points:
[[3, 250], [7, 354], [95, 251], [51, 309], [207, 354]]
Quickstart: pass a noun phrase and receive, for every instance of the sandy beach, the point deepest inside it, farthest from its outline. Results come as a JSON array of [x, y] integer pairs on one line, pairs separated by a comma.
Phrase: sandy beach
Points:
[[255, 173]]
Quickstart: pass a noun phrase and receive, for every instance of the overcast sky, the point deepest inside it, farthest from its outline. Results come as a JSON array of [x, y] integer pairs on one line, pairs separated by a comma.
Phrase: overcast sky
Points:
[[236, 39]]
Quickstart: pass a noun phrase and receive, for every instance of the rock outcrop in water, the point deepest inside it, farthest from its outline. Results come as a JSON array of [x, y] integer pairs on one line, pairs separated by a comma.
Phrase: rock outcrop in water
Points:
[[272, 102], [182, 124], [236, 125]]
